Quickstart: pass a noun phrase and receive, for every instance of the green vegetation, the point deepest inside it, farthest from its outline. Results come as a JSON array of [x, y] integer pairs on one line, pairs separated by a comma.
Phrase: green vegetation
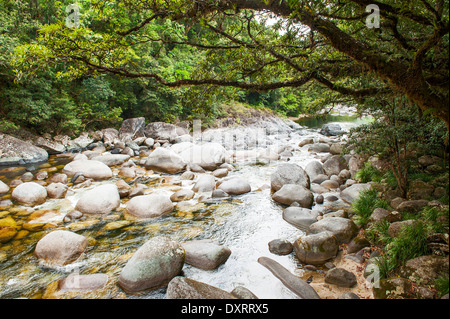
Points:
[[368, 174], [364, 206], [411, 242], [177, 59]]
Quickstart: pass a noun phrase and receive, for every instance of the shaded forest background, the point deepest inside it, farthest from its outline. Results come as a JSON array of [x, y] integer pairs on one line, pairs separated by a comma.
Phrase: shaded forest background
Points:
[[49, 103]]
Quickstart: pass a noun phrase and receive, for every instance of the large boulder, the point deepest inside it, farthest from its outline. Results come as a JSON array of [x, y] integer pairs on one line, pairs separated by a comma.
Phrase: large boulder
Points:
[[185, 288], [288, 174], [351, 193], [52, 147], [331, 129], [209, 156], [60, 247], [334, 165], [300, 217], [153, 265], [205, 254], [316, 249], [100, 200], [235, 186], [291, 193], [30, 194], [89, 169], [14, 151], [166, 161], [342, 228], [132, 128], [161, 131], [149, 206], [314, 169], [424, 270]]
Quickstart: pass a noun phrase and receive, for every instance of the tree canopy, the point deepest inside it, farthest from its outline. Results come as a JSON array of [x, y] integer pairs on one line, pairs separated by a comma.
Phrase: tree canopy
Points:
[[255, 45]]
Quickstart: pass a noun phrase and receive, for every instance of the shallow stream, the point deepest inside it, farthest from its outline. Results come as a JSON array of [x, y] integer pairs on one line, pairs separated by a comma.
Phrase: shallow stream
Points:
[[245, 224]]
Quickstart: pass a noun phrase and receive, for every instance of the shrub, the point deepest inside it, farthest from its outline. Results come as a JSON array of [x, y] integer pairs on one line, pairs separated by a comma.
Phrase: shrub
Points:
[[368, 174], [409, 244], [365, 204]]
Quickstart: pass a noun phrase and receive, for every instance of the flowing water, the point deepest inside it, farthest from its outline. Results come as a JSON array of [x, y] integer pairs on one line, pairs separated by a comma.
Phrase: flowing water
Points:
[[245, 224]]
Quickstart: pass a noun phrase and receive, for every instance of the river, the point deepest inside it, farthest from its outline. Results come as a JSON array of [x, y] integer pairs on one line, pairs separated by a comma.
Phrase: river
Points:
[[245, 224]]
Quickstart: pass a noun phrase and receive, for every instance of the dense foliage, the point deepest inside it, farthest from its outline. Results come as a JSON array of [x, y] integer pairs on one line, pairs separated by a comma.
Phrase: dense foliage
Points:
[[48, 93]]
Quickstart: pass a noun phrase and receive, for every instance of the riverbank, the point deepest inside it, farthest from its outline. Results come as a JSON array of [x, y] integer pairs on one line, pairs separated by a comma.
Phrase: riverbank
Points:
[[231, 185]]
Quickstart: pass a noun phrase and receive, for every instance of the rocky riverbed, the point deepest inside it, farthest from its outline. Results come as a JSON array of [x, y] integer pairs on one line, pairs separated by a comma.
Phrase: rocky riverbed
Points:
[[157, 211]]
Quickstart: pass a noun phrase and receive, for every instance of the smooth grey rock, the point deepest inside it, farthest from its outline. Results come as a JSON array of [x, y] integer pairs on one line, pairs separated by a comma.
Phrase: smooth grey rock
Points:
[[185, 288], [100, 200], [112, 159], [300, 217], [153, 265], [235, 186], [30, 194], [165, 161], [60, 247], [89, 169], [149, 206], [294, 283], [280, 247], [342, 228], [314, 169], [334, 165], [205, 254], [290, 193], [288, 174], [14, 151], [316, 249], [205, 183], [340, 277]]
